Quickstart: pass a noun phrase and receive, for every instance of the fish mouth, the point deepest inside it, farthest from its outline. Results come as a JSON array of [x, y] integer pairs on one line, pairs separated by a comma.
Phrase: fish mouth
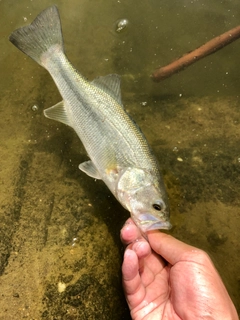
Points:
[[164, 225], [147, 222]]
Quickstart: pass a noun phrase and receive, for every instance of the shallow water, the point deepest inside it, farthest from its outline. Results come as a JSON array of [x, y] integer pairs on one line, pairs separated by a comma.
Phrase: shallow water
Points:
[[60, 253]]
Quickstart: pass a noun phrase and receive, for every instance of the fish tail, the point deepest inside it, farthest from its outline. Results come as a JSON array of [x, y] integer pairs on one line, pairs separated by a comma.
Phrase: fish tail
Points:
[[42, 35]]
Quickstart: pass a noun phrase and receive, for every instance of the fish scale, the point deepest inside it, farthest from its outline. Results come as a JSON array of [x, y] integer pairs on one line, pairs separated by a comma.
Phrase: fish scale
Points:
[[118, 151], [107, 115]]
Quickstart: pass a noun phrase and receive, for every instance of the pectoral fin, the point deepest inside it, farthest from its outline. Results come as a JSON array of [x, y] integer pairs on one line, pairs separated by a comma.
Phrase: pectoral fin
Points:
[[59, 113], [89, 168]]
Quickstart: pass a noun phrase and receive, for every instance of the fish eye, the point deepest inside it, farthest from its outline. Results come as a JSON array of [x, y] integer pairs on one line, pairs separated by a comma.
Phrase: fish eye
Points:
[[157, 207]]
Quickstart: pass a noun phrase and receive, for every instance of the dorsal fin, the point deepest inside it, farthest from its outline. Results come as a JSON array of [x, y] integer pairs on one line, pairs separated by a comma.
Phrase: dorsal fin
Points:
[[111, 85]]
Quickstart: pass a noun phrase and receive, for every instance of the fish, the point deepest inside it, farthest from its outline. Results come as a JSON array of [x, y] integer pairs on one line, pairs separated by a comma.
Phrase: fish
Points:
[[119, 153]]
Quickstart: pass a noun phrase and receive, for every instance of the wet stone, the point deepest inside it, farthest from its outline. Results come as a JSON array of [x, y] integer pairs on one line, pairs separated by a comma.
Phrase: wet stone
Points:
[[216, 239]]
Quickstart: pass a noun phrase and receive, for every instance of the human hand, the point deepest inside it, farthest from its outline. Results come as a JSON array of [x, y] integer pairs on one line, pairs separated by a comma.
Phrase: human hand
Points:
[[168, 279]]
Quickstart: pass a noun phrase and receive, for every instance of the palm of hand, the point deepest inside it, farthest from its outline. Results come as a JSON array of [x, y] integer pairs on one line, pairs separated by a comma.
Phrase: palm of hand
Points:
[[153, 292], [149, 293], [186, 287]]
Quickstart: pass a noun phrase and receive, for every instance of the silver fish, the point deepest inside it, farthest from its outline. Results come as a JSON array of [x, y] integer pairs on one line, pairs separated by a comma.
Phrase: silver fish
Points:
[[119, 153]]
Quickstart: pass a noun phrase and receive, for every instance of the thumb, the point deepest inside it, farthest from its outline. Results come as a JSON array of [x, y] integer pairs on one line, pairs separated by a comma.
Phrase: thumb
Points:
[[171, 249]]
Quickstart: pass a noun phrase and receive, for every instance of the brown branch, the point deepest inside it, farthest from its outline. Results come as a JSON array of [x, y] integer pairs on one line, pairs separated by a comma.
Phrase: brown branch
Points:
[[186, 60]]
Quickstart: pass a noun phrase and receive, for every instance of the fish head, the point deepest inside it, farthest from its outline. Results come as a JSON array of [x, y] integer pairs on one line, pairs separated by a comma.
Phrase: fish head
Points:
[[143, 194]]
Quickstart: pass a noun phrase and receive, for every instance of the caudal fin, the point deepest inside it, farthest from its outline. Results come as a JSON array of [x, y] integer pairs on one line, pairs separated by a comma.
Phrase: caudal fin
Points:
[[42, 34]]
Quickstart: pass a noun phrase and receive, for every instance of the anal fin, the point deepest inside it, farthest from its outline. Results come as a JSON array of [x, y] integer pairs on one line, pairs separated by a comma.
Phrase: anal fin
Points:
[[59, 113]]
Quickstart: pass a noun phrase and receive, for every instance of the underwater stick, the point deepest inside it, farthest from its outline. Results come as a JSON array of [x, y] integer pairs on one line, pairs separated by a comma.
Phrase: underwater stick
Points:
[[193, 56]]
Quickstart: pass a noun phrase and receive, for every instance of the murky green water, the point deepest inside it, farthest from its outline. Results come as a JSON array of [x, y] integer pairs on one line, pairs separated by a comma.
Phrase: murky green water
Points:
[[60, 253]]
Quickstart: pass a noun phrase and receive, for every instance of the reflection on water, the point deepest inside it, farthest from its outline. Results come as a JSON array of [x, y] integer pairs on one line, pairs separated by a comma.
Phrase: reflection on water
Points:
[[60, 253]]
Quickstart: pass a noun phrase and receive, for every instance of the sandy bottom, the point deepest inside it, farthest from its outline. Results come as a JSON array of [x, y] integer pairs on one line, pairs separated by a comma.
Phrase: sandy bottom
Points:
[[60, 253]]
